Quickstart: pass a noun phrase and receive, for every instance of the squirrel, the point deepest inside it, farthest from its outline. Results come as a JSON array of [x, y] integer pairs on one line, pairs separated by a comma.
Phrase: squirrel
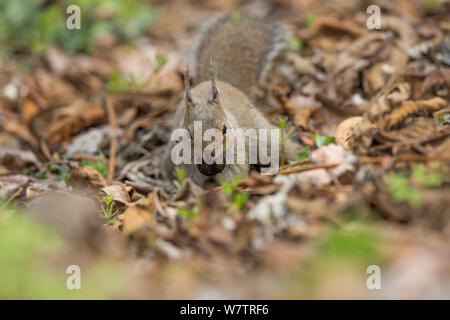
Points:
[[231, 59]]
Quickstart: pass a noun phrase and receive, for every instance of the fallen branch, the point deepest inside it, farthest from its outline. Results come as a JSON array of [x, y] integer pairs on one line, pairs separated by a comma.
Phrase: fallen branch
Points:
[[112, 118], [296, 163], [309, 167]]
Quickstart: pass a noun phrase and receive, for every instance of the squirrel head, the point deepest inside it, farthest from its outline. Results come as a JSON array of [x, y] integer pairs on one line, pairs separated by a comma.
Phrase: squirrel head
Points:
[[203, 107]]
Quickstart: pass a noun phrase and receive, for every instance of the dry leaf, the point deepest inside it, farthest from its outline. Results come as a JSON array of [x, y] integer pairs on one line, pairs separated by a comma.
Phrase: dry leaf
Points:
[[87, 177], [140, 215]]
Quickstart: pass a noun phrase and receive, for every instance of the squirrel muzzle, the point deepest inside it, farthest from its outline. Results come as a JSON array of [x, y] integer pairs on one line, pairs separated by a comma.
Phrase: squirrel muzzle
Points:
[[210, 169]]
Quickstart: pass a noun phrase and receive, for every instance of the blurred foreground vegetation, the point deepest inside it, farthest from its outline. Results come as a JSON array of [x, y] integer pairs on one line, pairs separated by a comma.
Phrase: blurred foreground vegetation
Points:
[[29, 27]]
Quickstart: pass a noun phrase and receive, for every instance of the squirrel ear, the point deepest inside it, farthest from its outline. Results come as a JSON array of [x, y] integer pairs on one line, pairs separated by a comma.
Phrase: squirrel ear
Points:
[[214, 90], [187, 89]]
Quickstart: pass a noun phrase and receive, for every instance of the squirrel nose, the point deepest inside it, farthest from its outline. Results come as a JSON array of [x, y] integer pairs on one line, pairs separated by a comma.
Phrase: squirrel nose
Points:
[[210, 169]]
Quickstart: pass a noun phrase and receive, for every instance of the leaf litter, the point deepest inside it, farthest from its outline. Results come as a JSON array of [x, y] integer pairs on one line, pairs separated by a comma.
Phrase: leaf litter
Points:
[[82, 136]]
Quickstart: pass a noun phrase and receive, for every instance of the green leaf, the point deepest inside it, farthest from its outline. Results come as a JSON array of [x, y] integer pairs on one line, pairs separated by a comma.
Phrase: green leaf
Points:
[[99, 165], [188, 213], [240, 199], [160, 61], [322, 140], [293, 42], [237, 16], [444, 117], [427, 178], [401, 191], [303, 153], [310, 19]]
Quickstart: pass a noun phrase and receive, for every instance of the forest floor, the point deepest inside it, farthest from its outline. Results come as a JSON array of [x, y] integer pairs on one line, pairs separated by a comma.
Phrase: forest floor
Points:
[[85, 117]]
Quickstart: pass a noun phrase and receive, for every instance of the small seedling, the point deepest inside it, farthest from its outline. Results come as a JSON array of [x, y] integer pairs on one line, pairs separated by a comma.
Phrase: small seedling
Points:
[[310, 19], [284, 135], [401, 191], [293, 42], [107, 210], [99, 165], [181, 174], [322, 140], [444, 118], [431, 3], [238, 198], [236, 16], [62, 172], [426, 178], [188, 213], [160, 62], [303, 153], [118, 83]]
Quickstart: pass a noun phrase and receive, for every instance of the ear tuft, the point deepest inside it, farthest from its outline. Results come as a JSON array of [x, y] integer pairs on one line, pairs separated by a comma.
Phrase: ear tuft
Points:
[[214, 90], [187, 89]]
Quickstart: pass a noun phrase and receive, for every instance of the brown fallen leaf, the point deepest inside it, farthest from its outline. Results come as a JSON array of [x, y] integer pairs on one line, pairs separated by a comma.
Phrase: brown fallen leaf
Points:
[[407, 108], [413, 128], [17, 160], [345, 130], [303, 115], [140, 215], [119, 192], [87, 177], [11, 184], [58, 123], [29, 109], [16, 128]]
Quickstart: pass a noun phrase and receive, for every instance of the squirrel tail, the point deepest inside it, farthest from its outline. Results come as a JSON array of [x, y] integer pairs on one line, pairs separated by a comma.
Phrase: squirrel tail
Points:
[[241, 47]]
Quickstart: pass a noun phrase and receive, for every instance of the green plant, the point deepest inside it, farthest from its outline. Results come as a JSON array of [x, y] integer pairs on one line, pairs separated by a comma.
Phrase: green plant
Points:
[[28, 249], [293, 42], [60, 171], [240, 199], [310, 19], [181, 174], [303, 153], [22, 242], [400, 189], [33, 26], [160, 62], [236, 16], [285, 135], [431, 3], [99, 165], [117, 82], [427, 178], [322, 140], [107, 210], [230, 189], [444, 118], [188, 213], [349, 249]]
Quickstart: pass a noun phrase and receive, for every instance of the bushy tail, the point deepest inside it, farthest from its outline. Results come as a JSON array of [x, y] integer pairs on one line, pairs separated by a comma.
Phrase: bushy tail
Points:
[[241, 47]]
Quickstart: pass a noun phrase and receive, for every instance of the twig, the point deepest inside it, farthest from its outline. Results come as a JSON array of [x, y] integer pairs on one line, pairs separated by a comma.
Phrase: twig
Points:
[[400, 158], [296, 163], [140, 187], [309, 167], [409, 142], [12, 197], [113, 143]]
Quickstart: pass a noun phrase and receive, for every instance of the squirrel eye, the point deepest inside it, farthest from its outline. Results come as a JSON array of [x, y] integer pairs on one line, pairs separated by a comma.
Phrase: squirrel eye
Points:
[[224, 129]]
